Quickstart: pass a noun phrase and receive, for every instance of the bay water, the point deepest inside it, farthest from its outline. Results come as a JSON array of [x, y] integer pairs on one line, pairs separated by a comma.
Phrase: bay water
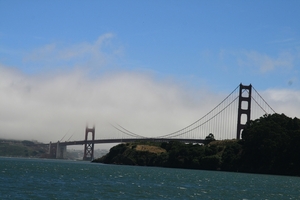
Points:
[[22, 178]]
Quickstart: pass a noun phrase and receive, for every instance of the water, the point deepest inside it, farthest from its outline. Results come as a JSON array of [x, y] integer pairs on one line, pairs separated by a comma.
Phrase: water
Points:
[[59, 179]]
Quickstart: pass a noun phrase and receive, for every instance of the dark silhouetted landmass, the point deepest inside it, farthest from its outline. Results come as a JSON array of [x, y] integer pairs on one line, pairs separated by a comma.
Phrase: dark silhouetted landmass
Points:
[[269, 145]]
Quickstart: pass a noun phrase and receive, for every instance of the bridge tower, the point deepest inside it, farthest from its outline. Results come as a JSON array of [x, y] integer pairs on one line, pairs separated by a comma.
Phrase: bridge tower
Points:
[[89, 144], [244, 109]]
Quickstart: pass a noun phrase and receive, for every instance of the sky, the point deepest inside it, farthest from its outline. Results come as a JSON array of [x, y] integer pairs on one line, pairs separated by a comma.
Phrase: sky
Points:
[[152, 66]]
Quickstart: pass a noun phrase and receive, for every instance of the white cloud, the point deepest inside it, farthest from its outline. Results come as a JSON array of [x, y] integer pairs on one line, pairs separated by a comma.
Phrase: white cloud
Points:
[[95, 54], [46, 107], [265, 63], [284, 101]]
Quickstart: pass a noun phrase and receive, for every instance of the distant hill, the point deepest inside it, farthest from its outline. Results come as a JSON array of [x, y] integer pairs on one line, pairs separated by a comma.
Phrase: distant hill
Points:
[[34, 149], [24, 148]]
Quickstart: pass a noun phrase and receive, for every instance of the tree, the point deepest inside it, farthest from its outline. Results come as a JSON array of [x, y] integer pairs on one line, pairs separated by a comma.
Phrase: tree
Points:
[[269, 145], [210, 137]]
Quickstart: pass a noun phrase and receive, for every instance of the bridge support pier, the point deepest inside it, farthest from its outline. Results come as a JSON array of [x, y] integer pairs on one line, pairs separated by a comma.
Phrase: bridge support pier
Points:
[[52, 150], [61, 151], [244, 108], [89, 144]]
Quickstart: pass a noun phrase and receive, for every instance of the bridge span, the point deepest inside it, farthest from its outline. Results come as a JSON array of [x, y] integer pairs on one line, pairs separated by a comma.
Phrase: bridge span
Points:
[[225, 121], [105, 141]]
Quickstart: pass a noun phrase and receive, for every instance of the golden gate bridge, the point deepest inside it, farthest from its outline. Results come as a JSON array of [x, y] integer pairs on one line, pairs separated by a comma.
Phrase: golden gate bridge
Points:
[[225, 121]]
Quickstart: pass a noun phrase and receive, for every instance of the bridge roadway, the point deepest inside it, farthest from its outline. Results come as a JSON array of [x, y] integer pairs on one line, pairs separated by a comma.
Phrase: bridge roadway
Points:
[[59, 149], [103, 141]]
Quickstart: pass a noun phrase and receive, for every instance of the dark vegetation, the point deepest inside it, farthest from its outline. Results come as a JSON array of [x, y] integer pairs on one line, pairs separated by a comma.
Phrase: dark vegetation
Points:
[[25, 148], [269, 145]]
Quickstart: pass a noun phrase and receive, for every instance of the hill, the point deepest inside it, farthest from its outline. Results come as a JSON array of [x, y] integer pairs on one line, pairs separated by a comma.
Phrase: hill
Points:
[[174, 154], [269, 145], [25, 148]]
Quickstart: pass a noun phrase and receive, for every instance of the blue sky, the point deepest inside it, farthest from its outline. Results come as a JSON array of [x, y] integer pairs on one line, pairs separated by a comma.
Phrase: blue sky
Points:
[[220, 43], [192, 46]]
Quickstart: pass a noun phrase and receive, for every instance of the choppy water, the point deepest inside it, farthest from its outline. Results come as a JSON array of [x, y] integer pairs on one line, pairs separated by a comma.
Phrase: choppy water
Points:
[[58, 179]]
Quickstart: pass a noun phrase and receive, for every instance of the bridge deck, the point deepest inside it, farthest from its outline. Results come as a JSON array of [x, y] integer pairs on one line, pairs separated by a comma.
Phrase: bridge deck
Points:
[[102, 141]]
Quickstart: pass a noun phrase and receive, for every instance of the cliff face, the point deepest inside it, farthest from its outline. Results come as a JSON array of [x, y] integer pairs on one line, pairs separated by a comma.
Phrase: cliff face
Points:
[[270, 145]]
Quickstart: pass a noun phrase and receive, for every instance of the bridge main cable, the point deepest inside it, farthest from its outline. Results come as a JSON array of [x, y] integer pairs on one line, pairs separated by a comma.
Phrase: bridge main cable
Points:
[[263, 101], [194, 128], [173, 133], [127, 132], [177, 133]]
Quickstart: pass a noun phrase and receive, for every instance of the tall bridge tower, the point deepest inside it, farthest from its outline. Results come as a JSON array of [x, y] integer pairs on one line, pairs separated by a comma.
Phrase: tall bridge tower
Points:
[[89, 144], [244, 108]]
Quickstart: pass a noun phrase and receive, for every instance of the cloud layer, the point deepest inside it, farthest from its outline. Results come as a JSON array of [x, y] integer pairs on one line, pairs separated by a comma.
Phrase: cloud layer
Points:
[[46, 108]]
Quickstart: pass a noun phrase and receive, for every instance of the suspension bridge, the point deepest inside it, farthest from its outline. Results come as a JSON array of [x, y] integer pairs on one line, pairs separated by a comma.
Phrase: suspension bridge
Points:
[[225, 121]]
